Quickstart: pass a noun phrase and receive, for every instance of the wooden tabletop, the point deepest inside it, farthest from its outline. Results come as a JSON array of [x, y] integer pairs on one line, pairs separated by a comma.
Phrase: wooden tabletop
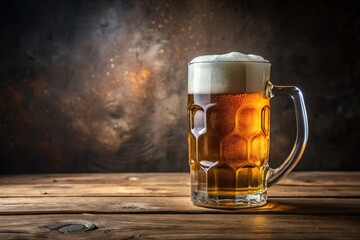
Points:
[[305, 205]]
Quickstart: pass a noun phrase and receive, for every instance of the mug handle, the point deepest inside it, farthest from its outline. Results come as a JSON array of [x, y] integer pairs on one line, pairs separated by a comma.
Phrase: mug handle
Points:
[[274, 175]]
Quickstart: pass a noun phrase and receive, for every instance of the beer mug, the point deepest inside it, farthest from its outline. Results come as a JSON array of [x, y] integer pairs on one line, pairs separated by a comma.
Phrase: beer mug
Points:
[[229, 130]]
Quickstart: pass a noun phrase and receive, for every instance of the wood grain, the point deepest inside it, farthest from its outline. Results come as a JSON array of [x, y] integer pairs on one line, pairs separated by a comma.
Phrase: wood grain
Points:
[[306, 205], [129, 179], [316, 184], [126, 179], [176, 205], [182, 226]]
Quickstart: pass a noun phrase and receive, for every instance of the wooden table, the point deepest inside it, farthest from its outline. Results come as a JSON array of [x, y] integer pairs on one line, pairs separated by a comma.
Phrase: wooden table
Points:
[[305, 205]]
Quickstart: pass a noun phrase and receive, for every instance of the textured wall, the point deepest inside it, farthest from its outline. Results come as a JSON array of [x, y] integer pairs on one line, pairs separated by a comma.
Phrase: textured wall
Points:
[[102, 85]]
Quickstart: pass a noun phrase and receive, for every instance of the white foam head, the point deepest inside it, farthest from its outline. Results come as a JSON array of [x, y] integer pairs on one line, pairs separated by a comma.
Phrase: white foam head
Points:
[[228, 73], [230, 57]]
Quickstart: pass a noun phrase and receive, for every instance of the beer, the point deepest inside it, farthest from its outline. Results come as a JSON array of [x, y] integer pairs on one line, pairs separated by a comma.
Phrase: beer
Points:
[[229, 130], [228, 138], [228, 133]]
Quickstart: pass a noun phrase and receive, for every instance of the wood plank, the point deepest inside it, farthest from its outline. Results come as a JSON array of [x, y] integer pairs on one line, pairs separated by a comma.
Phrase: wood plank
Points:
[[322, 179], [110, 190], [182, 226], [91, 190], [130, 179], [40, 205], [298, 184], [125, 179]]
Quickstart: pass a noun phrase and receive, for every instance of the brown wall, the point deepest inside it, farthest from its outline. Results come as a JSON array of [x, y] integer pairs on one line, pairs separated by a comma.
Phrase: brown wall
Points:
[[101, 86]]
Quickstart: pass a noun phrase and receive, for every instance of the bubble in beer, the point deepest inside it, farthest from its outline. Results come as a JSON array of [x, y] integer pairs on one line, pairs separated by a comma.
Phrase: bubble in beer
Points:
[[248, 121], [234, 150]]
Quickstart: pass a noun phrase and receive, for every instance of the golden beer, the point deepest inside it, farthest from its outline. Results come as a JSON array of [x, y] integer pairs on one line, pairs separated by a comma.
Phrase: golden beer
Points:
[[228, 138], [229, 130]]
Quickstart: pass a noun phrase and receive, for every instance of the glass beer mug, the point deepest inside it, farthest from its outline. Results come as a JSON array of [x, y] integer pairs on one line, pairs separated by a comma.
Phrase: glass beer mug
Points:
[[229, 130]]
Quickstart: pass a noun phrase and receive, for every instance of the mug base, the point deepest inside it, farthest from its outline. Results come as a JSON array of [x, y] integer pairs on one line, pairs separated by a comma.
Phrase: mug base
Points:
[[238, 201]]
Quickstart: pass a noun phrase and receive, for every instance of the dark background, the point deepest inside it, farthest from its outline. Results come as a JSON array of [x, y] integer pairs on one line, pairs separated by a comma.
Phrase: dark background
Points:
[[101, 86]]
